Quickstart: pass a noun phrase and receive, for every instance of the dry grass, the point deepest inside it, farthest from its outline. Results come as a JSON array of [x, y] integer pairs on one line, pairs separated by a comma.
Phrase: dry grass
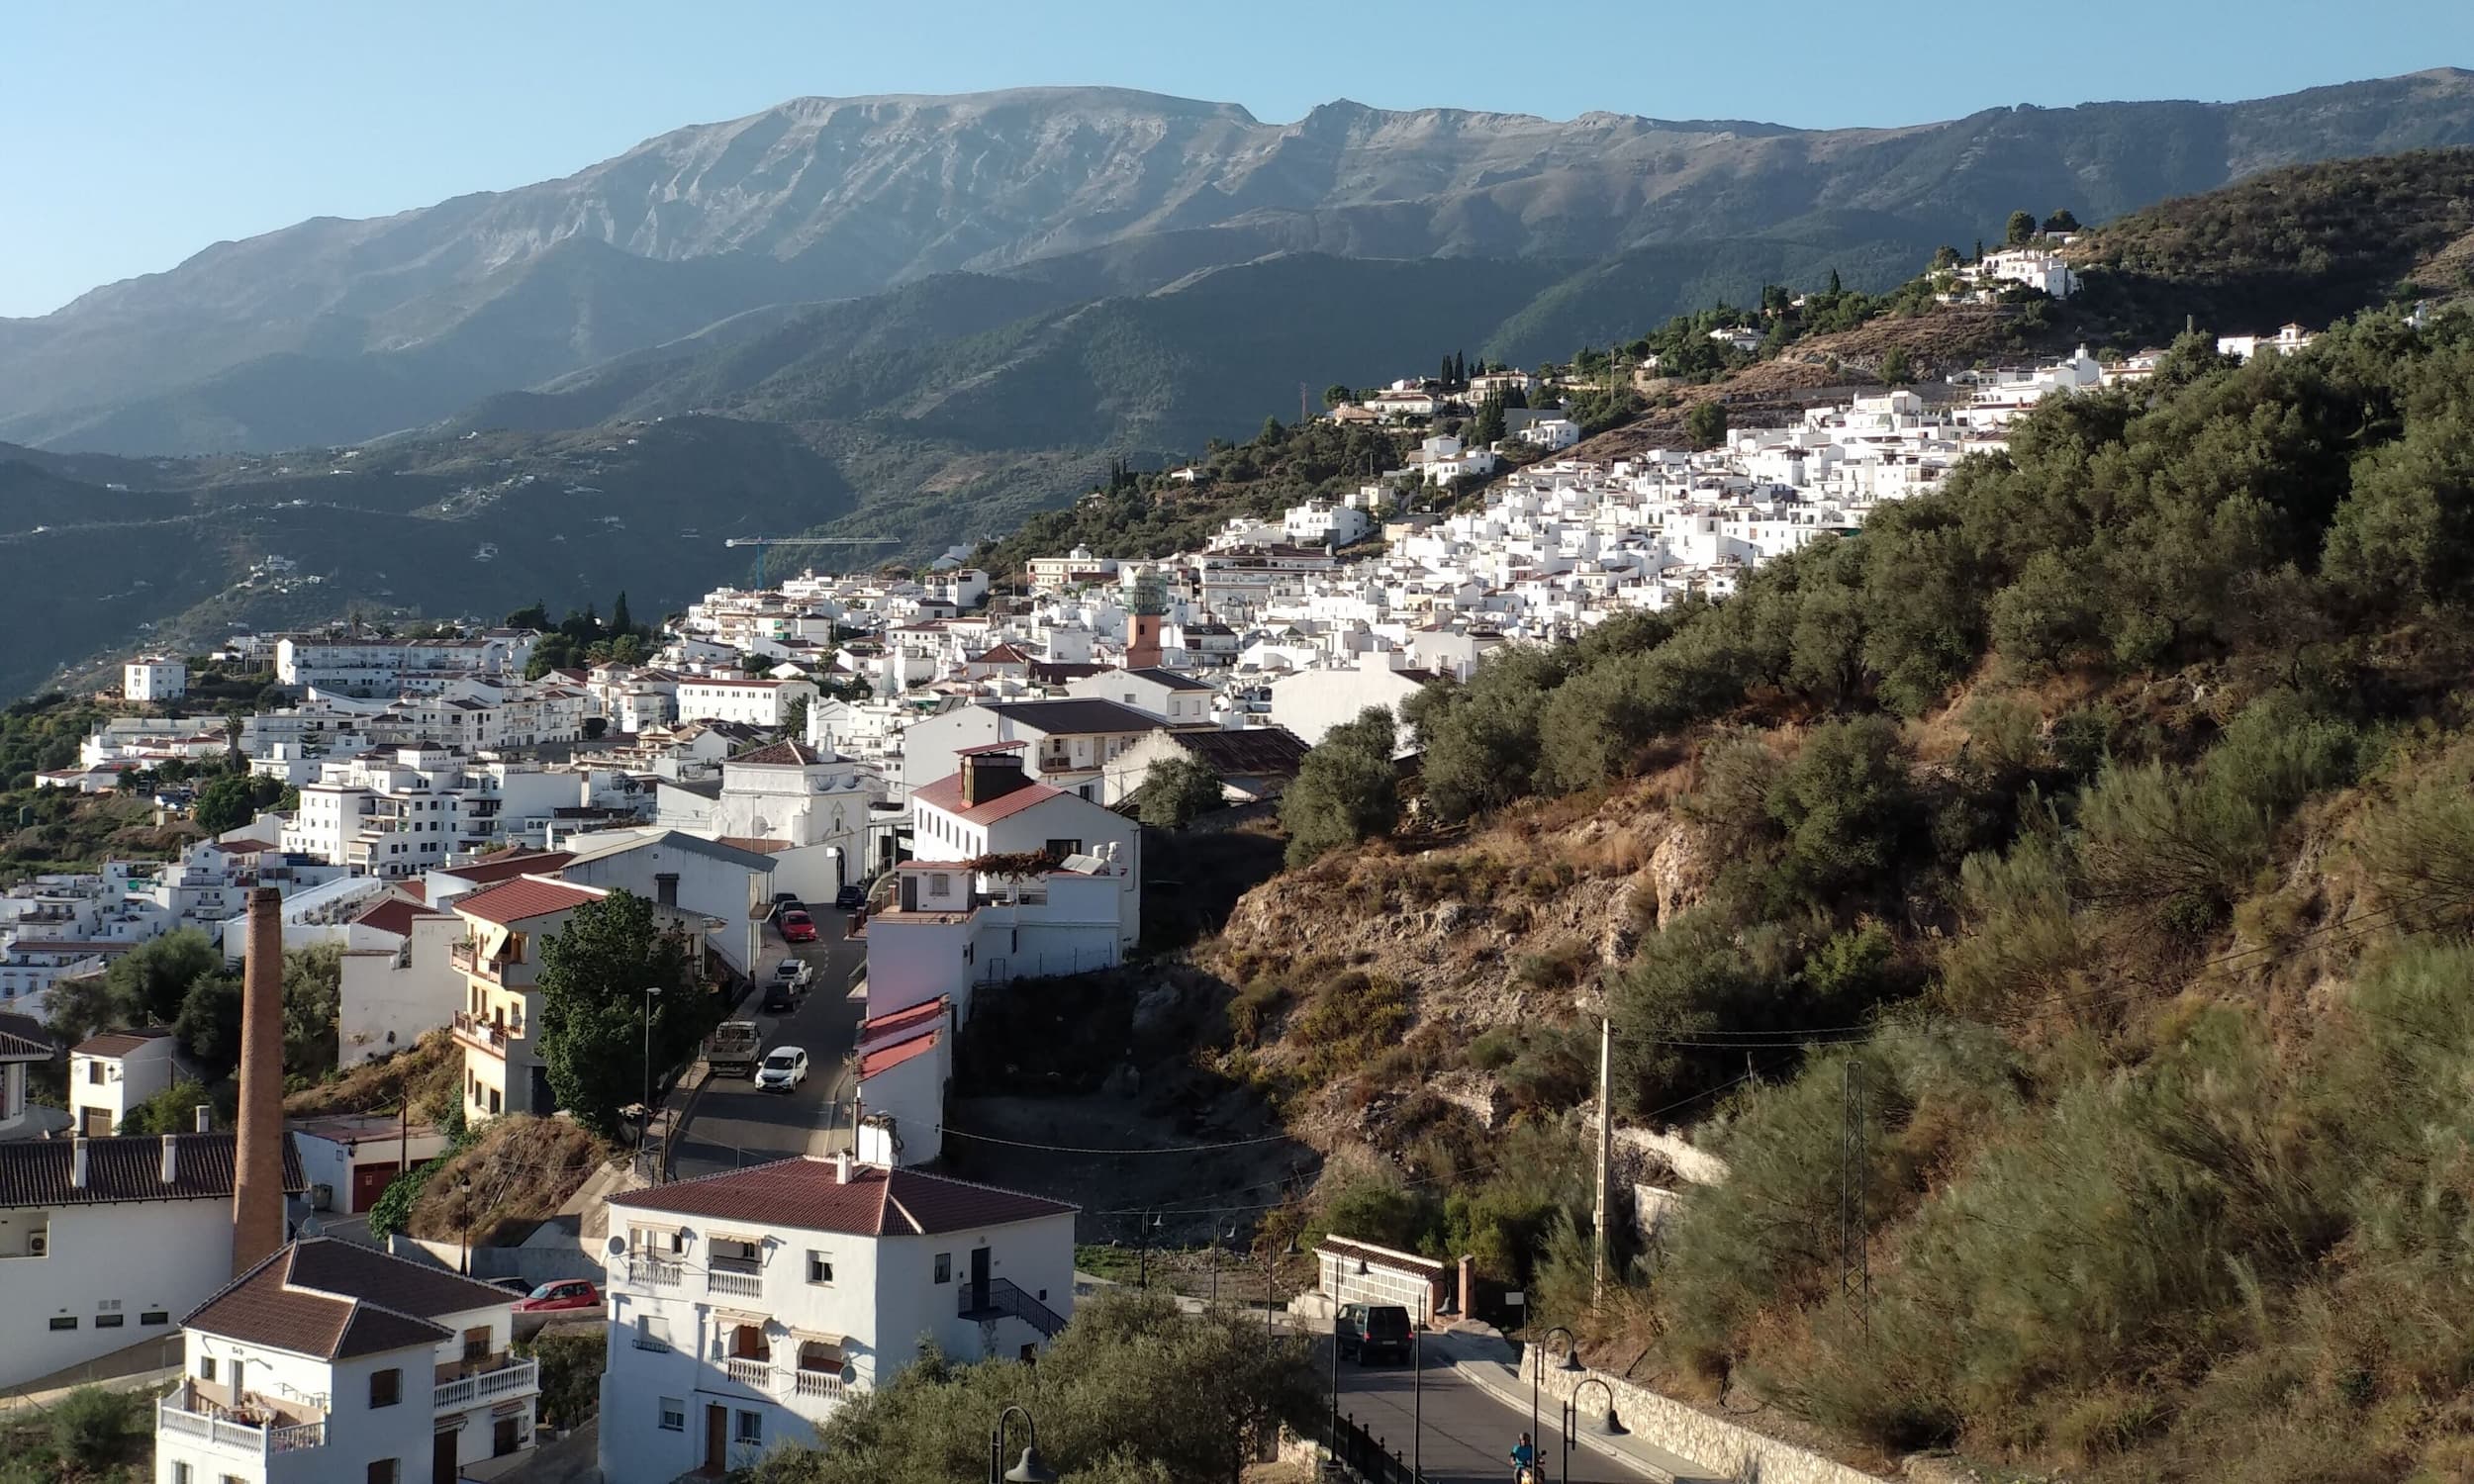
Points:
[[521, 1170], [429, 1073]]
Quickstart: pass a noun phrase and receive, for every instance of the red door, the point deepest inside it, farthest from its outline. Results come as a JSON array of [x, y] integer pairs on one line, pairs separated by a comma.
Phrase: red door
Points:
[[369, 1182]]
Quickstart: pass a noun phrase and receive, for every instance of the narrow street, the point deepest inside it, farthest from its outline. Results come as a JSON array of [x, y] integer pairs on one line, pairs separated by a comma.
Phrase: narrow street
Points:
[[1467, 1433], [733, 1123]]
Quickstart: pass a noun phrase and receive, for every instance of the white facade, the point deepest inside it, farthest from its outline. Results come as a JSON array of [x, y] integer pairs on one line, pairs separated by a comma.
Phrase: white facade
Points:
[[750, 1303], [113, 1073], [753, 703], [397, 981], [155, 678]]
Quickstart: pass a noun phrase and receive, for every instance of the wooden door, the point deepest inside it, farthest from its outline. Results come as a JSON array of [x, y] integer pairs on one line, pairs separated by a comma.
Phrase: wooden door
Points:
[[370, 1181], [979, 1277], [502, 1437], [716, 1438], [98, 1123], [442, 1468]]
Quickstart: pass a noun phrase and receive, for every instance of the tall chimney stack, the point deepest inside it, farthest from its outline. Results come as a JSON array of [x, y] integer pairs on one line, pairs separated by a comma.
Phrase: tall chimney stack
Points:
[[257, 1148]]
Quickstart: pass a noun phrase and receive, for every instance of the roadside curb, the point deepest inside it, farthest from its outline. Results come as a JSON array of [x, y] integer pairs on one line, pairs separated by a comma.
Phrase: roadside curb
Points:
[[1490, 1376]]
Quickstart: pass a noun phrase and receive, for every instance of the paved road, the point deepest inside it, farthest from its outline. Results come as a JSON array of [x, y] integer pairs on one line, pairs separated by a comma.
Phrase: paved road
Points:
[[734, 1124], [1467, 1434]]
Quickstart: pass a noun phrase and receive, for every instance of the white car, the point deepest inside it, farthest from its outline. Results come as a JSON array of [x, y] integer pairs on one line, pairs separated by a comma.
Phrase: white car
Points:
[[785, 1068], [797, 973]]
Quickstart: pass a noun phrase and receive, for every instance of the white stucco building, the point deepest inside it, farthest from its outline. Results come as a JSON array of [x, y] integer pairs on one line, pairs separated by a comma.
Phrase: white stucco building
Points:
[[990, 807], [330, 1361], [113, 1073], [754, 703], [106, 1242], [155, 678], [748, 1304]]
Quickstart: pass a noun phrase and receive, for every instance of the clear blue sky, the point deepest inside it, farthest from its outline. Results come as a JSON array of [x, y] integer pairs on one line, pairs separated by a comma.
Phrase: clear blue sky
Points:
[[134, 133]]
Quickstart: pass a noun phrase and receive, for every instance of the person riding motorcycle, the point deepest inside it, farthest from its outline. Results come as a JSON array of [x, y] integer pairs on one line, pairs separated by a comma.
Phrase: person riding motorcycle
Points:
[[1524, 1461]]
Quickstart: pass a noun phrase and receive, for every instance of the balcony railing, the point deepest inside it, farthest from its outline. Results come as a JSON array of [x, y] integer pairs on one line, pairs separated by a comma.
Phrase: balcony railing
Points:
[[488, 1036], [727, 1280], [816, 1383], [505, 1376], [654, 1272], [750, 1372], [466, 957], [233, 1437]]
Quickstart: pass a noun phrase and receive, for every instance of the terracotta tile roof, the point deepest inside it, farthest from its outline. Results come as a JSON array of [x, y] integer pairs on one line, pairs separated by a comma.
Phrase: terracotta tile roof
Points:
[[784, 754], [395, 915], [946, 793], [897, 1024], [520, 899], [23, 1036], [510, 864], [118, 1043], [802, 1192], [35, 1171], [333, 1301], [891, 1053]]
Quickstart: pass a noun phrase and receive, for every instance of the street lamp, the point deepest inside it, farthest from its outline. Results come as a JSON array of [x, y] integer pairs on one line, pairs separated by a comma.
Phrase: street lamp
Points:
[[1030, 1470], [1571, 1363], [646, 1126], [464, 1208], [1144, 1226], [1572, 1418]]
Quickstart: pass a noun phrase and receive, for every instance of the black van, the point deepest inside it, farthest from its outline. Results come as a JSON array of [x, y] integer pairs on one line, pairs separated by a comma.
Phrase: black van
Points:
[[1368, 1331]]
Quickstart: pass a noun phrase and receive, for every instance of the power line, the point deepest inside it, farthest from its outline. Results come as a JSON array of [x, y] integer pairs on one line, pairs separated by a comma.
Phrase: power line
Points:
[[1069, 1149]]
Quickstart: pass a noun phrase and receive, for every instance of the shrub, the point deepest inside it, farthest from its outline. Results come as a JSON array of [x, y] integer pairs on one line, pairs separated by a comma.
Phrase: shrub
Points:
[[90, 1425], [571, 1376], [1252, 1008]]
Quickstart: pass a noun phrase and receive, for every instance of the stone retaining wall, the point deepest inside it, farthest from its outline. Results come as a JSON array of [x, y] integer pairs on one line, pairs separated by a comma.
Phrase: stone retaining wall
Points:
[[1737, 1452]]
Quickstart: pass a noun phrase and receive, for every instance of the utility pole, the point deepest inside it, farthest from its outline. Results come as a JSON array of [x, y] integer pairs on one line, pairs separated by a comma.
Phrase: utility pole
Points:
[[1855, 1263], [1606, 1157]]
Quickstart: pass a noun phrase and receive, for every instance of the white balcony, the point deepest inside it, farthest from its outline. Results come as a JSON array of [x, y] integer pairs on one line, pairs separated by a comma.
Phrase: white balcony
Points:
[[739, 1284], [748, 1373], [233, 1437], [654, 1272], [816, 1383], [505, 1379]]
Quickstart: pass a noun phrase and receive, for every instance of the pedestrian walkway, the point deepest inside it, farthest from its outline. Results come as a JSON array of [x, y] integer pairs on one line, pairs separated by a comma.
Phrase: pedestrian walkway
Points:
[[1491, 1364], [150, 1362]]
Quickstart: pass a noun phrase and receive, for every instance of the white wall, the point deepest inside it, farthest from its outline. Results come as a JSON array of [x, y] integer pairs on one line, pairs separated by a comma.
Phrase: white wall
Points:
[[148, 1256], [912, 1095], [389, 996]]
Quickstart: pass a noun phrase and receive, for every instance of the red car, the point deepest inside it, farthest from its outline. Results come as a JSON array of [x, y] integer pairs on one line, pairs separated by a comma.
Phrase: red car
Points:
[[566, 1293], [798, 927]]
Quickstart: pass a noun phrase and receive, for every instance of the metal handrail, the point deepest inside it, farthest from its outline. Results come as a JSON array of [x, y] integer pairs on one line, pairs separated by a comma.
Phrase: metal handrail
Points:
[[1001, 1298]]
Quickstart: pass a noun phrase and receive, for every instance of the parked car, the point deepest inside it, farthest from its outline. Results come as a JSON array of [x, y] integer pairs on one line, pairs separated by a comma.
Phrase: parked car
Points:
[[798, 927], [566, 1293], [787, 901], [795, 974], [783, 1069], [1368, 1331], [778, 998], [851, 898], [520, 1287]]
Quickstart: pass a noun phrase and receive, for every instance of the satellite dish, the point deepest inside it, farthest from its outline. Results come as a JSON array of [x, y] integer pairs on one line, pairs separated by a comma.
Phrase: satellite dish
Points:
[[618, 1246]]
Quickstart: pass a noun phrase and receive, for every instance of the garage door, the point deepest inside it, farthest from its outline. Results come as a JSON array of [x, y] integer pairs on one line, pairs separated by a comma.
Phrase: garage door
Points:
[[369, 1182]]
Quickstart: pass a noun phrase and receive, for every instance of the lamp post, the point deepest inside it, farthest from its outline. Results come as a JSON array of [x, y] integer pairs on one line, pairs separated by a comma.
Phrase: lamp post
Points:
[[1144, 1226], [1417, 1398], [464, 1208], [1031, 1470], [1570, 1362], [646, 1126], [1572, 1418]]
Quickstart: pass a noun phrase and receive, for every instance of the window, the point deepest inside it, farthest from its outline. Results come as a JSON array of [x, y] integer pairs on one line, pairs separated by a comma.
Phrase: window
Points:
[[944, 1267], [382, 1471], [652, 1332], [182, 1474], [206, 1367], [819, 1268], [673, 1413], [477, 1343], [494, 1100], [1060, 849], [94, 1071], [751, 1428], [69, 1322], [155, 1317], [939, 884], [109, 1321], [386, 1388]]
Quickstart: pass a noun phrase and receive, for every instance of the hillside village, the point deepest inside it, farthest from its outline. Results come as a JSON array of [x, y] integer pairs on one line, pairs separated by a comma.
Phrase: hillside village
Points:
[[902, 790]]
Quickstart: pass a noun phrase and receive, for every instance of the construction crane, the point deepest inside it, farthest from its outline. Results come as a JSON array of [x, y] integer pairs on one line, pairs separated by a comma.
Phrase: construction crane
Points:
[[756, 574]]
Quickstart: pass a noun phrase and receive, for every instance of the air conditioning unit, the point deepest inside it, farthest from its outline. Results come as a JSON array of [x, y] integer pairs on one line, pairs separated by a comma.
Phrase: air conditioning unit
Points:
[[37, 1244], [322, 1197]]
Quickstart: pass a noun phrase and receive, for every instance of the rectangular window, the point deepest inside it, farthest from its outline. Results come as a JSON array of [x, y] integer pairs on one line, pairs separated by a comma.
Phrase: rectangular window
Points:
[[386, 1388], [939, 884], [477, 1343], [382, 1471], [751, 1428], [673, 1413], [182, 1474], [944, 1267], [494, 1099], [155, 1317], [819, 1268], [94, 1071], [109, 1321], [64, 1321], [206, 1367]]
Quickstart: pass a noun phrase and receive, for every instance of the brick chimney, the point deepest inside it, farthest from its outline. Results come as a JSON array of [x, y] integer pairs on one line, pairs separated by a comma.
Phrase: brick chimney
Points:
[[257, 1148]]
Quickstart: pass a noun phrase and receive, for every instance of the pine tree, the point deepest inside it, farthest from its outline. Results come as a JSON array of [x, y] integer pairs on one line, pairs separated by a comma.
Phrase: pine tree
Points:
[[1835, 290], [620, 620]]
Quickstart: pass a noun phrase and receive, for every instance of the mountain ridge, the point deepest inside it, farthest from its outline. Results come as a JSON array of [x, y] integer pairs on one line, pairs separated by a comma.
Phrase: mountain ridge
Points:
[[825, 199]]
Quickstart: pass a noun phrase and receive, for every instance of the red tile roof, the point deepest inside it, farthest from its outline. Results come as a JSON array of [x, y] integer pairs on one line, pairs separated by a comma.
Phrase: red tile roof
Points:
[[946, 793], [520, 899], [335, 1300], [510, 864], [890, 1054], [897, 1024], [118, 1043], [802, 1192], [395, 915]]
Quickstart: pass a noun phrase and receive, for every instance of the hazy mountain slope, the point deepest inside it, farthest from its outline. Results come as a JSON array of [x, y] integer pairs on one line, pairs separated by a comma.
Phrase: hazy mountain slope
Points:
[[827, 198]]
